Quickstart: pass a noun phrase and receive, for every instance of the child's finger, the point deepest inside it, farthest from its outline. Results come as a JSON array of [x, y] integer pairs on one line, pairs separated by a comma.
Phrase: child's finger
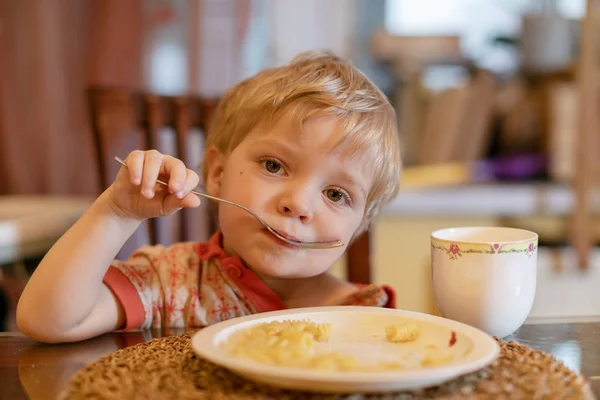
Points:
[[135, 166], [172, 204], [176, 170], [191, 182], [152, 163], [189, 200]]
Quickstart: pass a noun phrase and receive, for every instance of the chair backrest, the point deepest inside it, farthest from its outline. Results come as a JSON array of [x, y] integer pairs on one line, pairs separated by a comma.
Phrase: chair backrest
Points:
[[124, 120], [587, 170]]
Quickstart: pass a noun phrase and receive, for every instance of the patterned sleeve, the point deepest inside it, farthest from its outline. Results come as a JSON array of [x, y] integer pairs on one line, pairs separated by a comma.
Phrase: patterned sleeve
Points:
[[372, 295], [156, 285]]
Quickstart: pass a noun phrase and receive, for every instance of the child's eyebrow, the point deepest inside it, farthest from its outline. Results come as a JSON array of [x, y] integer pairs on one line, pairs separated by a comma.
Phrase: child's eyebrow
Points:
[[276, 144], [350, 179]]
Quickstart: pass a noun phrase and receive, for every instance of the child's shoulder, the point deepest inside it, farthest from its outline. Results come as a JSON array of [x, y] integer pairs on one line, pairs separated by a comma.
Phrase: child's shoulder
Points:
[[182, 251]]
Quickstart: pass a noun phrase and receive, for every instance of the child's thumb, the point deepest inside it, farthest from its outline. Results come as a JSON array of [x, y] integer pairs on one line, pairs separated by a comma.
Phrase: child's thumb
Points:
[[172, 203]]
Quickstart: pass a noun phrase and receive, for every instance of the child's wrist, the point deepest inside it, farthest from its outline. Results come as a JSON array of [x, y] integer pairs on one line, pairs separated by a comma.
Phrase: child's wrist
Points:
[[106, 206]]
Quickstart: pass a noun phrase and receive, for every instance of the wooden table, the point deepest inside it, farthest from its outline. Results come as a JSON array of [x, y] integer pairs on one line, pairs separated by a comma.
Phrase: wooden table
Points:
[[30, 225], [38, 371]]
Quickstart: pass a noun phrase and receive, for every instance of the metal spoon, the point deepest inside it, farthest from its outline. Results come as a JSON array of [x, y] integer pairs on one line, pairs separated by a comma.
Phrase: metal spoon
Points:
[[305, 245]]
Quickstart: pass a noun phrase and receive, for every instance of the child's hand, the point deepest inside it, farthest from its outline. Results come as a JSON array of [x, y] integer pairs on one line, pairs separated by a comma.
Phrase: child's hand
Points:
[[135, 193]]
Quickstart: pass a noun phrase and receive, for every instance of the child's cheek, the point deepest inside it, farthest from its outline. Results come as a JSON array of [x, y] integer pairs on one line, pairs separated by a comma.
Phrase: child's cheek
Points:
[[342, 228], [232, 216], [239, 190]]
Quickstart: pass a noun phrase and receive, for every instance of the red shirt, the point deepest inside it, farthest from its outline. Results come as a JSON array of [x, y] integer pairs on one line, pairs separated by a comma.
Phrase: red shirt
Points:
[[197, 284]]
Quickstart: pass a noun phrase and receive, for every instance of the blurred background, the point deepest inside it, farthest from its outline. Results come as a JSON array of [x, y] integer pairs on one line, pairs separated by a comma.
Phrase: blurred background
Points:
[[496, 102]]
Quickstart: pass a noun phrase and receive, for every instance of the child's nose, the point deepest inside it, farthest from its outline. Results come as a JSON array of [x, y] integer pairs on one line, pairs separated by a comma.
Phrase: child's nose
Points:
[[296, 205]]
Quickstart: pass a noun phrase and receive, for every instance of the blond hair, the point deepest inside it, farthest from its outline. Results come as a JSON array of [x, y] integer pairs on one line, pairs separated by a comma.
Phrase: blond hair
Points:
[[317, 84]]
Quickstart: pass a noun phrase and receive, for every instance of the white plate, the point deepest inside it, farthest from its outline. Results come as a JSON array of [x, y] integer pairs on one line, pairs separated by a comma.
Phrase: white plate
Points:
[[359, 331]]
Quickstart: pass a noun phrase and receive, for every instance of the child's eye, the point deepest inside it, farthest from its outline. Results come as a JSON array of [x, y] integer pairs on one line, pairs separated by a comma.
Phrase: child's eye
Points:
[[273, 166], [337, 196]]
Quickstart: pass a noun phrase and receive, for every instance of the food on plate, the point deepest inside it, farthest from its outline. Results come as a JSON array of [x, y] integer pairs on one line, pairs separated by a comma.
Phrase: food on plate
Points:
[[291, 344], [401, 333], [452, 340], [304, 344], [435, 359]]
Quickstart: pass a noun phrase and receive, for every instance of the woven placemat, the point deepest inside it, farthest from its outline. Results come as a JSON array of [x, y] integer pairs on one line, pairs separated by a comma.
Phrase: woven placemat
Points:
[[167, 368]]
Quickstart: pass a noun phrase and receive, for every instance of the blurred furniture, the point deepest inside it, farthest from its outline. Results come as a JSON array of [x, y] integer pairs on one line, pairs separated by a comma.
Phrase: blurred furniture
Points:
[[551, 109], [458, 122], [124, 120], [413, 53], [29, 226], [535, 110], [451, 125], [587, 142]]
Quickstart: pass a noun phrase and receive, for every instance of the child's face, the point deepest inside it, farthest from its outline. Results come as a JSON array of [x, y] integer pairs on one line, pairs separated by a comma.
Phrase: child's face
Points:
[[300, 185]]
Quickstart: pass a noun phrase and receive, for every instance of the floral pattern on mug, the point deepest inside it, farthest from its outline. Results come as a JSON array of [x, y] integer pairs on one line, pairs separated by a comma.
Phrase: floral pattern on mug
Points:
[[527, 248], [454, 252], [530, 249]]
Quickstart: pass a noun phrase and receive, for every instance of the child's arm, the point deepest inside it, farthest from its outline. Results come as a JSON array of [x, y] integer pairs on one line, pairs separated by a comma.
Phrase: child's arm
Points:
[[65, 299]]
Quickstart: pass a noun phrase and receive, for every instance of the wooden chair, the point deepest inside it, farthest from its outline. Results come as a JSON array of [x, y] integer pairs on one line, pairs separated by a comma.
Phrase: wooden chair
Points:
[[587, 142], [123, 120]]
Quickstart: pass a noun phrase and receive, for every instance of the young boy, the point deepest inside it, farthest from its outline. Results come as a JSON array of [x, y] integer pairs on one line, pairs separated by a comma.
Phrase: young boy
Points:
[[312, 147]]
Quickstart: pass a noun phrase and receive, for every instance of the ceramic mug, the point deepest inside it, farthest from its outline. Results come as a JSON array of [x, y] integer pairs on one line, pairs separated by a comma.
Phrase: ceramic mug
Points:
[[485, 276]]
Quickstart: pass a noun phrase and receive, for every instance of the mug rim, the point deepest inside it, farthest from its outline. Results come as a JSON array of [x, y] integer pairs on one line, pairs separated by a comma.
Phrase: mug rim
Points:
[[435, 235]]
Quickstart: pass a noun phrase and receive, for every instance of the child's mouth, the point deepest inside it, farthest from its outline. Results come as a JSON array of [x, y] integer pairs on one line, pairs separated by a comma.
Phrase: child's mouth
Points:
[[285, 235], [289, 237]]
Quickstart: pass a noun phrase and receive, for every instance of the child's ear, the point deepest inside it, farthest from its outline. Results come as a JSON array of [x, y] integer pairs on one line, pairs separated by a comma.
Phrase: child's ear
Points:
[[215, 161]]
